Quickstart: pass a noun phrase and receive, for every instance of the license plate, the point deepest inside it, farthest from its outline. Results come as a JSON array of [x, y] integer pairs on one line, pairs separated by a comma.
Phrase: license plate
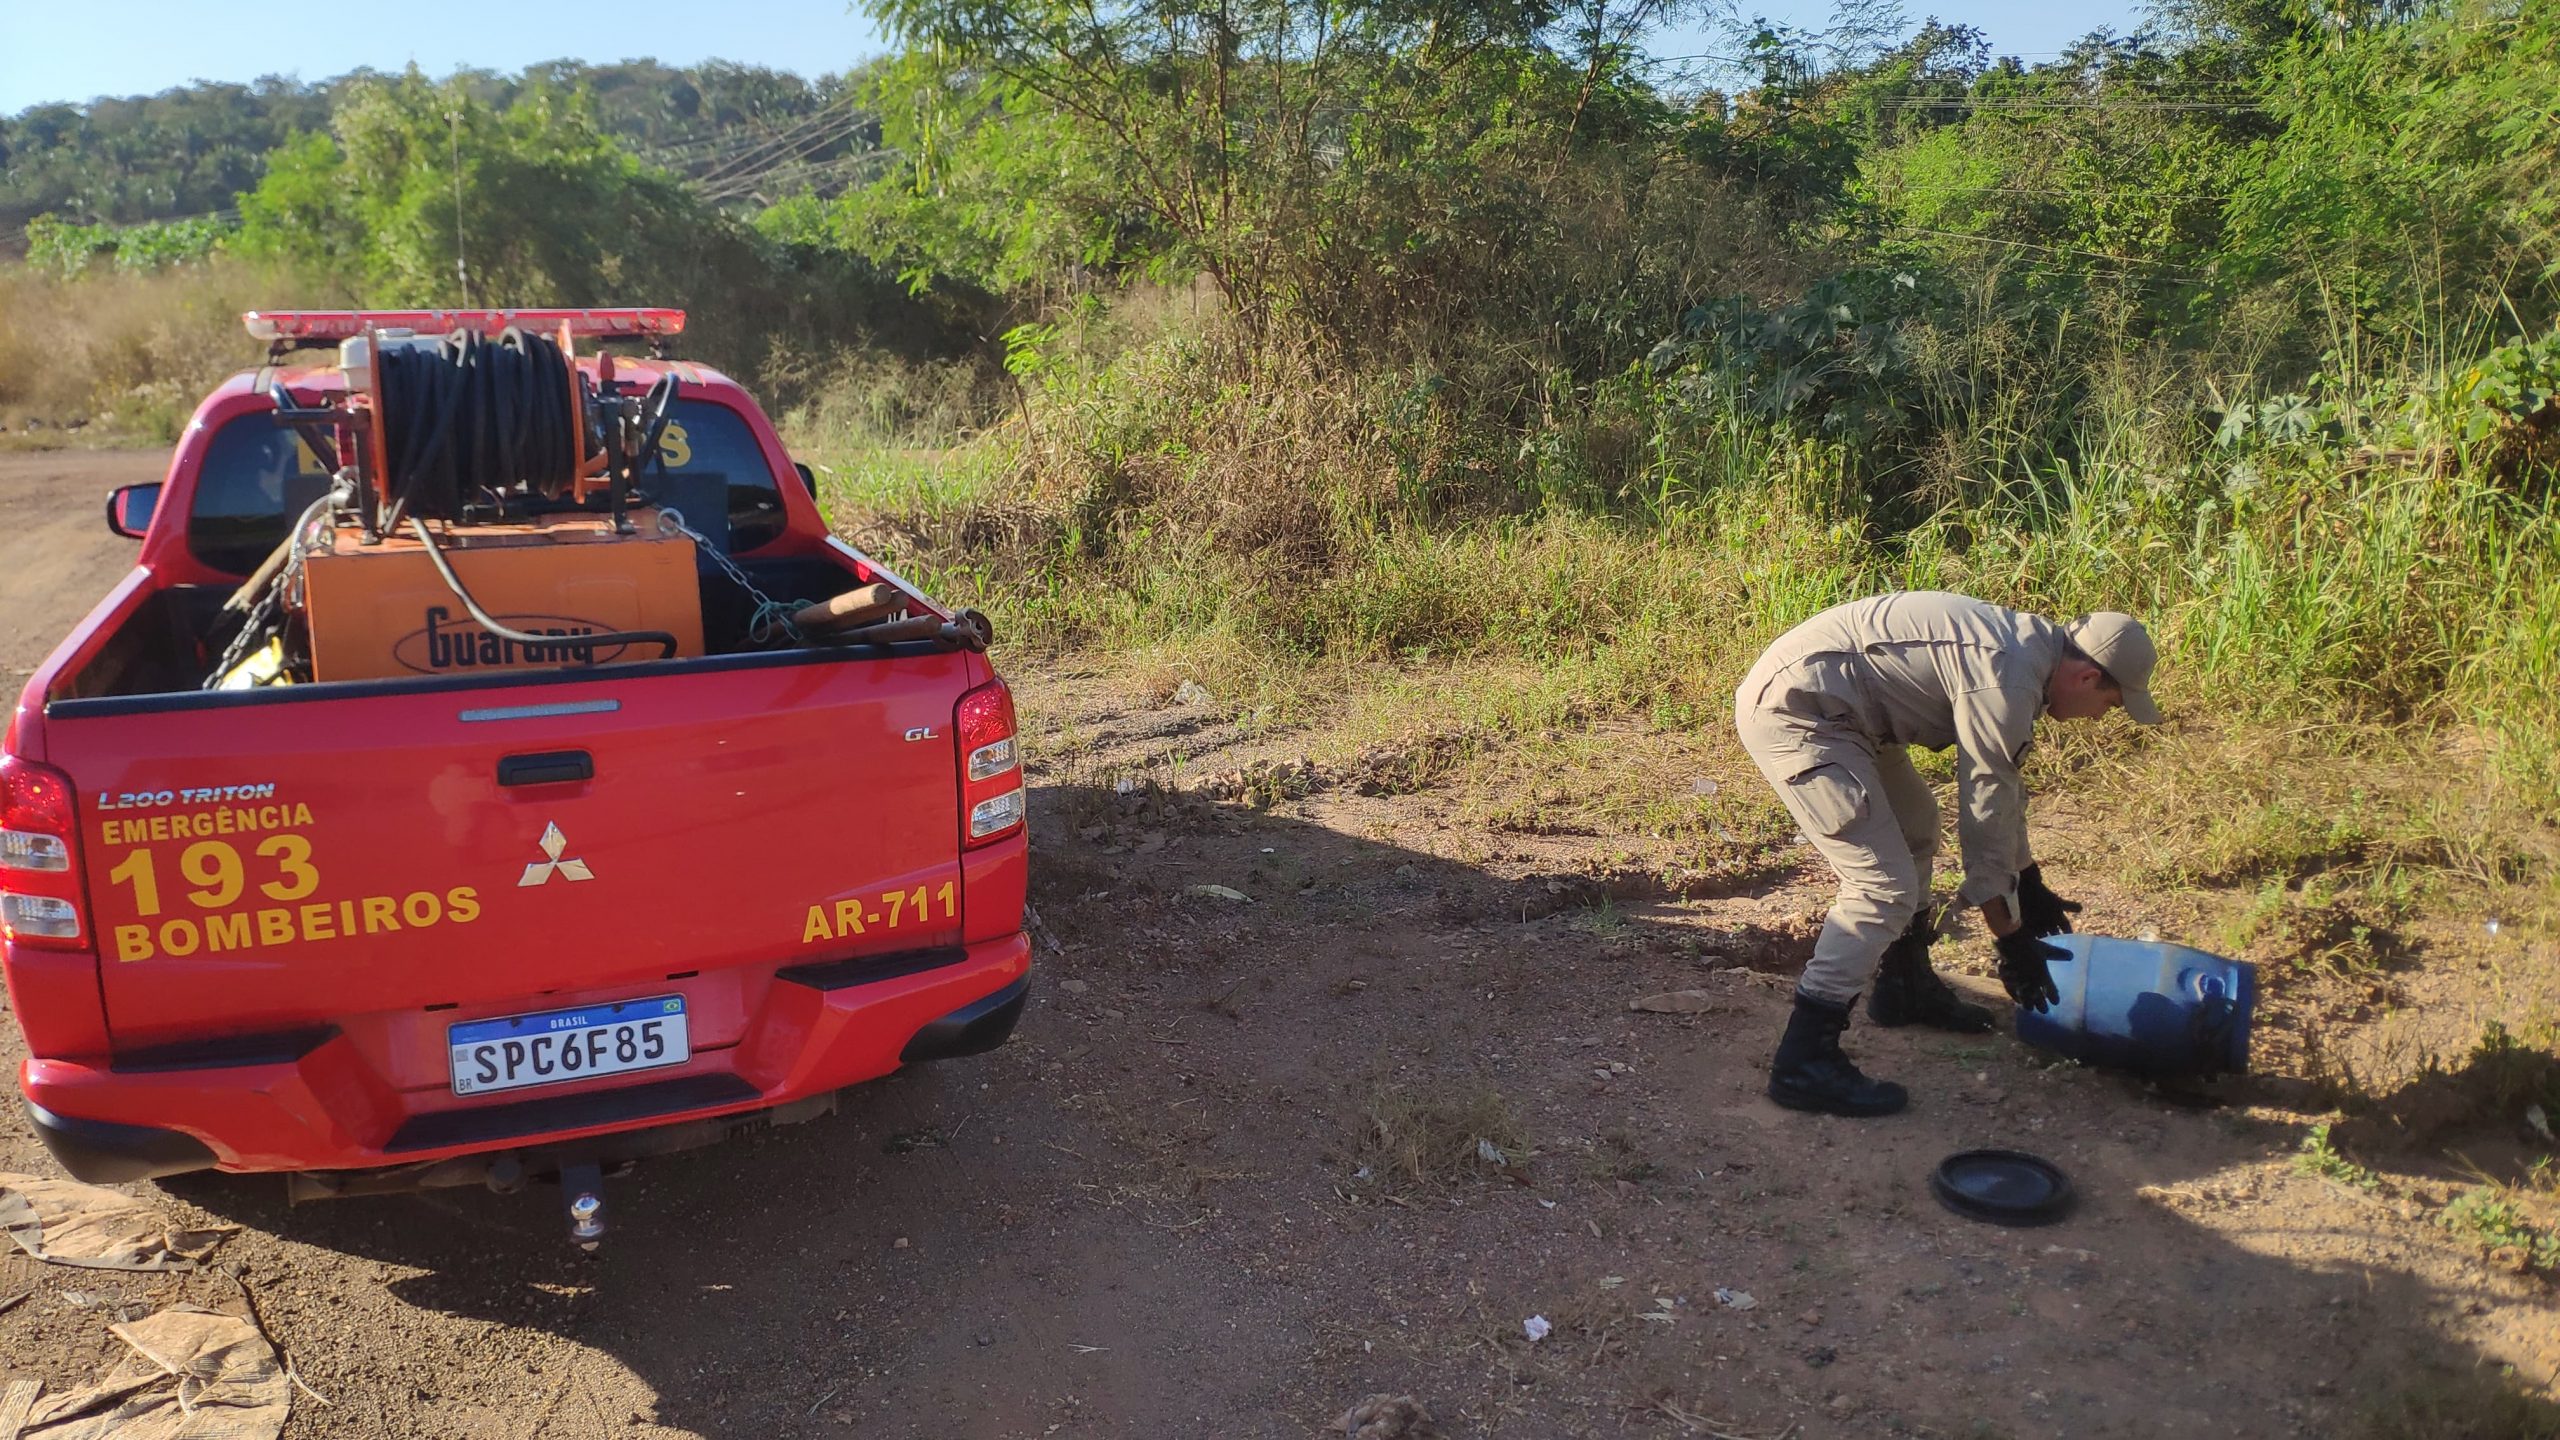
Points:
[[556, 1046]]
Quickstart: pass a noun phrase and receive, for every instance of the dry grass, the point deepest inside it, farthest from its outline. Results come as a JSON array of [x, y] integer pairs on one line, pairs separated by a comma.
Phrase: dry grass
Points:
[[1437, 1135], [128, 355], [861, 402], [2463, 1405], [1618, 1155], [2236, 800]]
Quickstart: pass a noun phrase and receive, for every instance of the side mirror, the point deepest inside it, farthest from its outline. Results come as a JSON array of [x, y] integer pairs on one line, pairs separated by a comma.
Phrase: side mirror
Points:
[[130, 508], [808, 478]]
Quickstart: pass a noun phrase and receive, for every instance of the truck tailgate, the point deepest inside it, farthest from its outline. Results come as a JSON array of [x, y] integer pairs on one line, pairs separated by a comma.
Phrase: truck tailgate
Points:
[[313, 858]]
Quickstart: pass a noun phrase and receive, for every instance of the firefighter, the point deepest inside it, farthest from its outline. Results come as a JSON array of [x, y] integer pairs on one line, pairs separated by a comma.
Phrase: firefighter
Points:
[[1827, 715]]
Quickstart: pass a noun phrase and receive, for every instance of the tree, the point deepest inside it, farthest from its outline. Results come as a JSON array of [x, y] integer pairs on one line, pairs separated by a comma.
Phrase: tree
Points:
[[425, 194], [1288, 149], [2414, 168]]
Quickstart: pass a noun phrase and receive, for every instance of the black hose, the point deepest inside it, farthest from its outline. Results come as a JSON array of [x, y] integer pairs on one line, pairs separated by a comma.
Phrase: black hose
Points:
[[453, 582], [473, 412]]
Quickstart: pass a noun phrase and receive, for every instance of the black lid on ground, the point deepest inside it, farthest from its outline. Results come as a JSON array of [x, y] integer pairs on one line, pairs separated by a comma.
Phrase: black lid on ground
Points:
[[2004, 1187]]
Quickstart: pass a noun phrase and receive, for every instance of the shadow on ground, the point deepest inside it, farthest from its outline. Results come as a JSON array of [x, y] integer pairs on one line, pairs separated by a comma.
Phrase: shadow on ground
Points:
[[1147, 1217]]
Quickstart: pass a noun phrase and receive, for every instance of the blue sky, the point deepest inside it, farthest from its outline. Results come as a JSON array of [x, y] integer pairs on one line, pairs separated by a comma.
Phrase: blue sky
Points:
[[76, 49]]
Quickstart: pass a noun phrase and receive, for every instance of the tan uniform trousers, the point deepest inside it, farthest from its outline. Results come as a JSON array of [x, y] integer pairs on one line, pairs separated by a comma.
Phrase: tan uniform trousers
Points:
[[1873, 818]]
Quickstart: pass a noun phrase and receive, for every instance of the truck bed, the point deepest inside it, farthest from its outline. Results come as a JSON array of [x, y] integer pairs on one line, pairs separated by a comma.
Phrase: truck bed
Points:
[[165, 643]]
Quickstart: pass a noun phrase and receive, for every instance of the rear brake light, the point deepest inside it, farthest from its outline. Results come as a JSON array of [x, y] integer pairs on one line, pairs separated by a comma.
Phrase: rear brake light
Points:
[[39, 855], [990, 763]]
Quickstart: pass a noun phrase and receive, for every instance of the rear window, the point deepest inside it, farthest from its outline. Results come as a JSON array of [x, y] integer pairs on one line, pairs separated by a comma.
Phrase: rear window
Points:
[[715, 472], [258, 476]]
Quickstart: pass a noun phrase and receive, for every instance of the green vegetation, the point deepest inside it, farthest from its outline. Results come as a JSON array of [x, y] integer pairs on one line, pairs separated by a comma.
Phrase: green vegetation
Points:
[[422, 193], [1284, 344], [66, 249], [1532, 386], [2502, 1222], [1506, 353], [188, 152], [184, 153], [569, 184], [2320, 1156]]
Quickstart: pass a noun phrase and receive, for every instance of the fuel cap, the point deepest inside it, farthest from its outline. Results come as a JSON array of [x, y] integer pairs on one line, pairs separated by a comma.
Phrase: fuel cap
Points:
[[2004, 1187]]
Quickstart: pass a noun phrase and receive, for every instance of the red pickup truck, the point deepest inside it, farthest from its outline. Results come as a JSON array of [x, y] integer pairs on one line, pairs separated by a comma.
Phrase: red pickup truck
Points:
[[487, 920]]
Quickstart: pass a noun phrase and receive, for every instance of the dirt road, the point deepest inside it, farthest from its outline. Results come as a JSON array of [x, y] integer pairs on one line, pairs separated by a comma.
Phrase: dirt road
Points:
[[1180, 1203], [56, 555]]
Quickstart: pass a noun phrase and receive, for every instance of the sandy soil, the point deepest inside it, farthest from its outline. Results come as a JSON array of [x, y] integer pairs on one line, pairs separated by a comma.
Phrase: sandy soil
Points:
[[56, 555], [1162, 1211]]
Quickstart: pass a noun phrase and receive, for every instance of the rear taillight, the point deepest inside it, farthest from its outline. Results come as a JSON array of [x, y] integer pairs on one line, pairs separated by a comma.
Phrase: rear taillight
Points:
[[39, 857], [990, 764]]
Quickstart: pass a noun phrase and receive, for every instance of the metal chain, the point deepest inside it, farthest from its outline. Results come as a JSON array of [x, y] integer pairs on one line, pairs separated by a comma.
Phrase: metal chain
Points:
[[772, 617], [254, 629]]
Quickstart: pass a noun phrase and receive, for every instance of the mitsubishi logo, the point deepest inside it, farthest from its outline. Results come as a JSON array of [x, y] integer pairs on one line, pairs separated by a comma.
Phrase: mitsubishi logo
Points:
[[541, 871]]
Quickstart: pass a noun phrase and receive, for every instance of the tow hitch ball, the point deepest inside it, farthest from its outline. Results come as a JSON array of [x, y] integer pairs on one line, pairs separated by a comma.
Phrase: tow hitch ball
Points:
[[582, 1185]]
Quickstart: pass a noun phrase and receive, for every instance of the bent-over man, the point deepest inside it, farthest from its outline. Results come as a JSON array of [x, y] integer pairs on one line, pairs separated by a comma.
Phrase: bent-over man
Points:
[[1827, 715]]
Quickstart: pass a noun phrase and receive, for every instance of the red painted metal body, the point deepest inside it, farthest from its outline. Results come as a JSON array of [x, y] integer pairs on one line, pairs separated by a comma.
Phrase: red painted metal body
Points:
[[289, 895]]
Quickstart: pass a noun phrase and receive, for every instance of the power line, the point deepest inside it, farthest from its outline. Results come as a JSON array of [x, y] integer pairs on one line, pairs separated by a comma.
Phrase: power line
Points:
[[714, 135], [714, 149], [1917, 99], [720, 151], [740, 183], [810, 145], [833, 115], [809, 175]]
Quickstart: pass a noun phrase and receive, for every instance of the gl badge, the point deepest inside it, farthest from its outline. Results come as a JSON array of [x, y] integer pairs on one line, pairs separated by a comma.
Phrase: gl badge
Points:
[[541, 871]]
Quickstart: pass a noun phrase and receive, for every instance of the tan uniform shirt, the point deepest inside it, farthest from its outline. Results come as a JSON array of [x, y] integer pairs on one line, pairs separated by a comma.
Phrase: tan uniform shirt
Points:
[[1932, 669]]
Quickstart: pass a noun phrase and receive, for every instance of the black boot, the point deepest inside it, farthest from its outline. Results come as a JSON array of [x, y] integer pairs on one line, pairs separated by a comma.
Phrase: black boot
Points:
[[1908, 992], [1810, 1073]]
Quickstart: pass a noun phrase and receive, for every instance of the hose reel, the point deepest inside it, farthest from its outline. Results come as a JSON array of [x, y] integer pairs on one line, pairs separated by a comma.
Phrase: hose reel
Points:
[[502, 443]]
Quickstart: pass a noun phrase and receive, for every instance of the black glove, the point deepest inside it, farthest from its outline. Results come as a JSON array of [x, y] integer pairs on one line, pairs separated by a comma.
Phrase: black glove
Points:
[[2023, 958], [2040, 911]]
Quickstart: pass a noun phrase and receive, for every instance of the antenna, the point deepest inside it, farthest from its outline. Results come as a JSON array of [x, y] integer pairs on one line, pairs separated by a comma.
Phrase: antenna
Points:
[[461, 270]]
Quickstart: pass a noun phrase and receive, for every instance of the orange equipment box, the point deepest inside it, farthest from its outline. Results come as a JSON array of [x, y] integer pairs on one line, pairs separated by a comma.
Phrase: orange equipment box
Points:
[[380, 612]]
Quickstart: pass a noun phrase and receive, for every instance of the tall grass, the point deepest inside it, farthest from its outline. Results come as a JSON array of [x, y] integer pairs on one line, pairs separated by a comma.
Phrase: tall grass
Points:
[[126, 355], [1289, 516]]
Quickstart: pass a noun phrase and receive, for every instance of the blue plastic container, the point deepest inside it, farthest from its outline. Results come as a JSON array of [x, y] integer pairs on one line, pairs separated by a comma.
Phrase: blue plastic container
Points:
[[2139, 1005]]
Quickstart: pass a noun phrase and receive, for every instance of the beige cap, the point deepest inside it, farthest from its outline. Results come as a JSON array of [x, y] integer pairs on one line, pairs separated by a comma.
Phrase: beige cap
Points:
[[2123, 649]]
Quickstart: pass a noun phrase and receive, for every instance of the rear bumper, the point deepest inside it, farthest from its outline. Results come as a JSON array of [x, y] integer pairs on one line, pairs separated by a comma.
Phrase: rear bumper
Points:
[[819, 1029], [973, 1029], [104, 1152]]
